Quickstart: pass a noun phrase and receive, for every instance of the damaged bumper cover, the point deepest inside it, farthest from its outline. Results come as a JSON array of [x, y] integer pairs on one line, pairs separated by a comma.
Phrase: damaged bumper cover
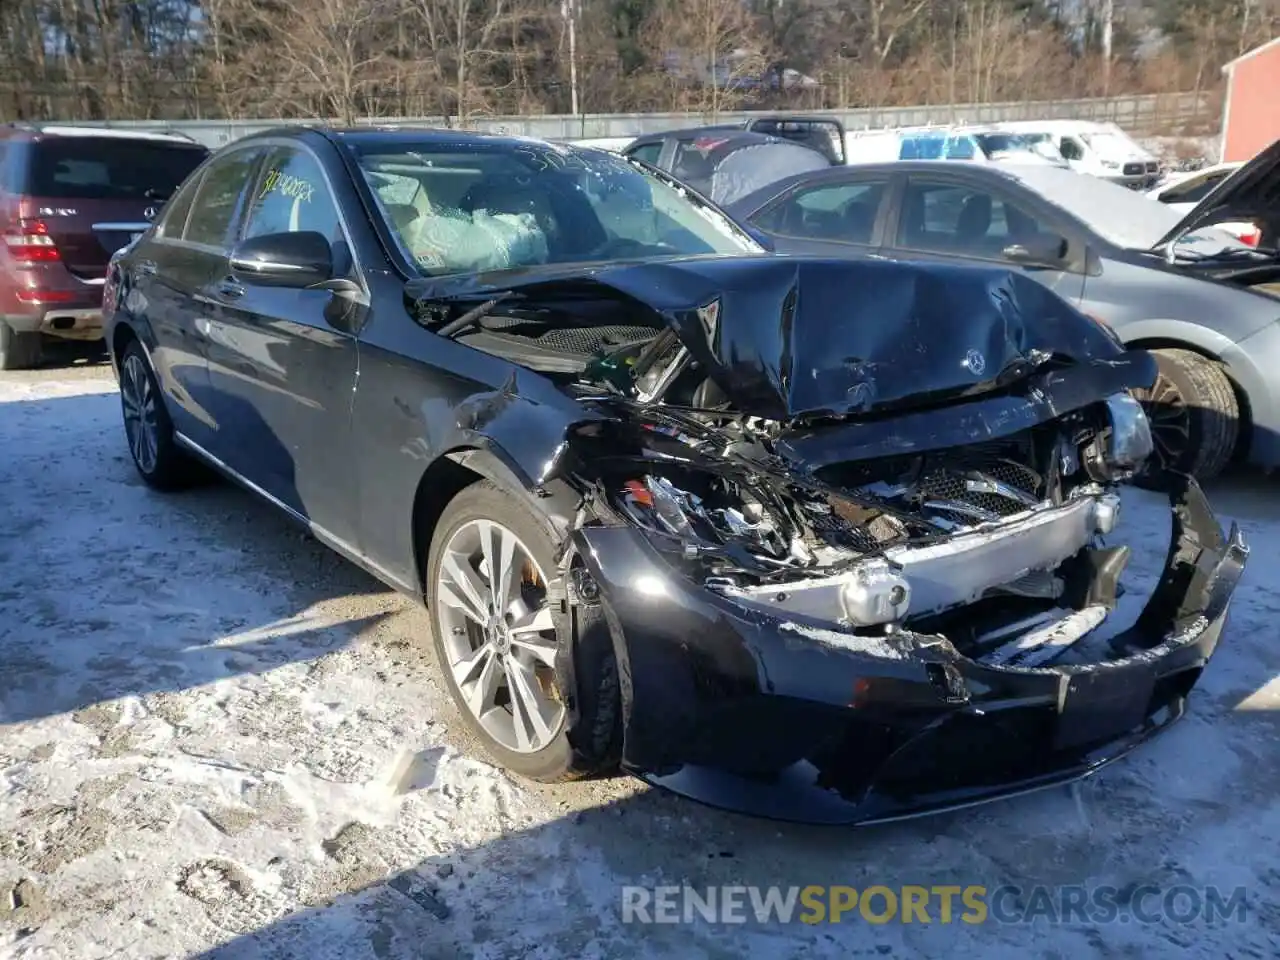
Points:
[[772, 713]]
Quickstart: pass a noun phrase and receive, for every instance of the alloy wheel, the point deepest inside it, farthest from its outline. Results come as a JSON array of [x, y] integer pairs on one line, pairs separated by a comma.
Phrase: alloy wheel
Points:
[[1170, 419], [138, 399], [498, 635]]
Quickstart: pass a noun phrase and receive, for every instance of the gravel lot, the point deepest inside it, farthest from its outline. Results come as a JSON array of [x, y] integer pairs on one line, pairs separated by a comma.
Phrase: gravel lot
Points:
[[217, 738]]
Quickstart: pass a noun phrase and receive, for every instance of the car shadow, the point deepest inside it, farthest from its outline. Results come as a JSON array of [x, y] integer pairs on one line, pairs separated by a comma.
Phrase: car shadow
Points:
[[110, 589], [570, 887], [57, 352]]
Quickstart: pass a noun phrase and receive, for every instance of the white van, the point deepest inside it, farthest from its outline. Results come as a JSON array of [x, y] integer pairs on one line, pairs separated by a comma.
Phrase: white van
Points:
[[976, 144], [1101, 150]]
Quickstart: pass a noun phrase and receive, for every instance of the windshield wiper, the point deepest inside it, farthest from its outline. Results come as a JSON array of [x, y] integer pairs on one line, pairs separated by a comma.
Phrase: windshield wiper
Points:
[[473, 316]]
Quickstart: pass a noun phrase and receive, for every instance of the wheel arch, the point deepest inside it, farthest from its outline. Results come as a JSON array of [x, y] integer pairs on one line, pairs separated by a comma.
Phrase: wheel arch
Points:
[[460, 467], [121, 337], [1245, 435]]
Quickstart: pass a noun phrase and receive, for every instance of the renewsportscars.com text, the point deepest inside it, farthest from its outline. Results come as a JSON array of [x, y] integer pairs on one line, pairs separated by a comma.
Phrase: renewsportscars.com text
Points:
[[972, 904]]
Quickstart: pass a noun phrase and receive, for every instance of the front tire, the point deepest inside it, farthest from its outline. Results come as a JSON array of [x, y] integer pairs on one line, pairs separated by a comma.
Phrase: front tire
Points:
[[500, 649], [19, 351], [159, 460], [1195, 419]]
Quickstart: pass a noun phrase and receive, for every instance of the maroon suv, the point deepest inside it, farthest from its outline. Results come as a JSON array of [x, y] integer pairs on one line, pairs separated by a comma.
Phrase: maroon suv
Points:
[[70, 197]]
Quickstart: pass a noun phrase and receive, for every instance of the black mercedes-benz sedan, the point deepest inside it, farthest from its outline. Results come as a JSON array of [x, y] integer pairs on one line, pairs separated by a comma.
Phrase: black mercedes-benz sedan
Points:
[[829, 540]]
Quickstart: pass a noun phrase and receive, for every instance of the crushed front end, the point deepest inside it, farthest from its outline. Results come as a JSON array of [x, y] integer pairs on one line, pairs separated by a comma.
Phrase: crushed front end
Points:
[[811, 626], [854, 529]]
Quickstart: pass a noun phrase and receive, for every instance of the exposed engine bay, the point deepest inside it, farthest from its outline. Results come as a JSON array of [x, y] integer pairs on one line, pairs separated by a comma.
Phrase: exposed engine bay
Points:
[[873, 546]]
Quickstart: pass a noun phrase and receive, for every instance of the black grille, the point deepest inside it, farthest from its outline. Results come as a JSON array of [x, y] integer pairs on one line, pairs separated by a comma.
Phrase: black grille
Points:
[[577, 341], [1133, 169], [950, 484], [839, 532], [1153, 167]]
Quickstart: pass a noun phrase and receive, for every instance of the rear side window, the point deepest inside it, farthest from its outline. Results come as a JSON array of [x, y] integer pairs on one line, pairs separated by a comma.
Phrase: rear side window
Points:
[[838, 211], [218, 202], [693, 163], [109, 168], [649, 153], [173, 216]]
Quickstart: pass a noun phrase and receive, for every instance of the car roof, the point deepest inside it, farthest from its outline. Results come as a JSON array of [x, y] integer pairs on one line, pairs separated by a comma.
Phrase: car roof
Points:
[[727, 133], [373, 137], [42, 130], [990, 171]]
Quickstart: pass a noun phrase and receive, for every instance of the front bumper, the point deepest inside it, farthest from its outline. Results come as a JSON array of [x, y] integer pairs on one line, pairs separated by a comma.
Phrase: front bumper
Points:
[[734, 707]]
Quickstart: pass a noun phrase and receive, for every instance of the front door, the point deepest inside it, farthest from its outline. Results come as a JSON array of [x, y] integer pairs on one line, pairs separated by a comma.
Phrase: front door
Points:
[[282, 364], [956, 220]]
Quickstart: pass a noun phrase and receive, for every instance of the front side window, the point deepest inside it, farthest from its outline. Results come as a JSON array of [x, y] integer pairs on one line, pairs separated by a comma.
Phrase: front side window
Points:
[[460, 208], [842, 211], [968, 221], [292, 196], [217, 203], [1070, 149]]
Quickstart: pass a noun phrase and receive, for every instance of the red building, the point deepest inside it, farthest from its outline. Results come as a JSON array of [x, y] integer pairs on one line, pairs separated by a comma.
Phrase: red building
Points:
[[1251, 117]]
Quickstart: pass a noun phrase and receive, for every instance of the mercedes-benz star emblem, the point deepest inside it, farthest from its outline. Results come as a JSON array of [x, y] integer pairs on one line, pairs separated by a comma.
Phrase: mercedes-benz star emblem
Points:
[[149, 213], [975, 362]]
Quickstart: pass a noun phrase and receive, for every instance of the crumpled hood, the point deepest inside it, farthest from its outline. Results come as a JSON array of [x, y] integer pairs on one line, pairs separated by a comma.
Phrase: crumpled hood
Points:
[[1251, 193], [793, 337]]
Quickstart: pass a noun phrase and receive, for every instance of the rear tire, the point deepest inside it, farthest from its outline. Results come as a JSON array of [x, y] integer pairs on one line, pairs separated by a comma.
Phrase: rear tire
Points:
[[19, 351], [1195, 419], [481, 523], [160, 462]]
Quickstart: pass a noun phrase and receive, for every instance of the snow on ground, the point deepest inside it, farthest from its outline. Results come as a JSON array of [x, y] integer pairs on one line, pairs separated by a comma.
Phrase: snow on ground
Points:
[[217, 738]]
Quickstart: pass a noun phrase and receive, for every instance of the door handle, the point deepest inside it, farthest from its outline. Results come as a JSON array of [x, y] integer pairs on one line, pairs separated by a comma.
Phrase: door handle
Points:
[[229, 289]]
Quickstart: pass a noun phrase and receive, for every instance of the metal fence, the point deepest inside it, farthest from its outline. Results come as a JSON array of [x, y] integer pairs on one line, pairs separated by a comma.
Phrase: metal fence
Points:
[[1155, 113]]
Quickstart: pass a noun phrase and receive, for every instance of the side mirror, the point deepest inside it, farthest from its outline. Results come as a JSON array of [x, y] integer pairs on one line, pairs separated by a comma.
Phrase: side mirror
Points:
[[283, 259], [1044, 250]]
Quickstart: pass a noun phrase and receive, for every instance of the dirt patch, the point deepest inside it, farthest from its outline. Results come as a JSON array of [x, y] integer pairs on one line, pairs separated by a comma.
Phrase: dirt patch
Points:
[[54, 835]]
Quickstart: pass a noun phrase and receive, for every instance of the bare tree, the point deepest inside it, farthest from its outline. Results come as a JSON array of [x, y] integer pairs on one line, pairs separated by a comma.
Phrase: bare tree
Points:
[[330, 53], [709, 49]]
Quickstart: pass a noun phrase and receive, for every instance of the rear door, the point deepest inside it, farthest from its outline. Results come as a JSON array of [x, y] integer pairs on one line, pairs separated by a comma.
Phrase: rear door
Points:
[[843, 217], [96, 194], [171, 268]]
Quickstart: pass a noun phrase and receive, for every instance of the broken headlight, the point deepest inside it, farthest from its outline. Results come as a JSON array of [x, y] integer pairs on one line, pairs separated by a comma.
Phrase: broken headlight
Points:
[[712, 517], [1123, 445]]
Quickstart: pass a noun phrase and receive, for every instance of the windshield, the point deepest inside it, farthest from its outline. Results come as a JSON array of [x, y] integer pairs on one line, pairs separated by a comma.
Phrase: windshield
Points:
[[1113, 145], [1003, 143], [466, 207], [1122, 216]]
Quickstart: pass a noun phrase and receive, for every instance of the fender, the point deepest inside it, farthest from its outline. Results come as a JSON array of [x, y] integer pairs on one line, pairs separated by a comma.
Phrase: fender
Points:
[[555, 499], [1194, 335]]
